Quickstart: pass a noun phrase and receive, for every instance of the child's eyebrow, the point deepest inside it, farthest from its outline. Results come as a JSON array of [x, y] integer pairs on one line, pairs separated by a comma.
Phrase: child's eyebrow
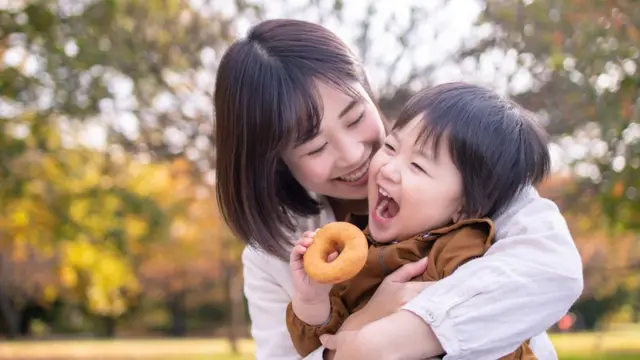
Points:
[[426, 149], [426, 153]]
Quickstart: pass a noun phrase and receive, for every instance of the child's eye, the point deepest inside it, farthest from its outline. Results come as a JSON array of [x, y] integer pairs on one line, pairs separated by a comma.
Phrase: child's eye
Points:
[[419, 168], [386, 145]]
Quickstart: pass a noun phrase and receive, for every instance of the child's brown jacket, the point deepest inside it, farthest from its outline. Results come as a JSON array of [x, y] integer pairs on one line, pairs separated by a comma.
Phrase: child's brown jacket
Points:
[[447, 248]]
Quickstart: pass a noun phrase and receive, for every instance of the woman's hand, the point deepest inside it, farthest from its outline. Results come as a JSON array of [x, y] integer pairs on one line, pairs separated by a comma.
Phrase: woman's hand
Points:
[[396, 290], [311, 302], [391, 295]]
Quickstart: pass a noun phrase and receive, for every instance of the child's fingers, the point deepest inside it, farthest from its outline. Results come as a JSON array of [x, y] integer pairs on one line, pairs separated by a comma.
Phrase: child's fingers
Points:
[[296, 253], [332, 256], [299, 250], [308, 234], [305, 241]]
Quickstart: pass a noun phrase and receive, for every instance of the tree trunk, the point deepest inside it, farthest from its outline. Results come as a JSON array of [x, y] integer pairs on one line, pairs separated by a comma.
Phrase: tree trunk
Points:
[[110, 327], [10, 315], [25, 323], [233, 280], [239, 305], [178, 315], [635, 308]]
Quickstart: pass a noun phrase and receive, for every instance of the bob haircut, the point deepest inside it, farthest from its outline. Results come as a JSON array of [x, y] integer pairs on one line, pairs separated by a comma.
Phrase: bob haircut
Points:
[[265, 99], [497, 146]]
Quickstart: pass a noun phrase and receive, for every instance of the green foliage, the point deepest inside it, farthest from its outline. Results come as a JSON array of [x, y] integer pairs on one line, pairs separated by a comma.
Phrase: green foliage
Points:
[[582, 59], [584, 62], [595, 310], [98, 222]]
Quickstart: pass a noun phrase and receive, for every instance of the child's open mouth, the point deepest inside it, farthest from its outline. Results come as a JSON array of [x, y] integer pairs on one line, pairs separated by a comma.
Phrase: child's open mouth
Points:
[[386, 207]]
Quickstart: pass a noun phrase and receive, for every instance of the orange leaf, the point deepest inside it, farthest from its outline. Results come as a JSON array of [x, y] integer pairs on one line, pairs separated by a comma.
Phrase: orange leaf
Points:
[[618, 190]]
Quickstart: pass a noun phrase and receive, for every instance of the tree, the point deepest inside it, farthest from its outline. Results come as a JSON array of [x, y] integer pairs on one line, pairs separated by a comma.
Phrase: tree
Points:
[[145, 69], [102, 63], [142, 69], [184, 264], [581, 59], [577, 66], [611, 259]]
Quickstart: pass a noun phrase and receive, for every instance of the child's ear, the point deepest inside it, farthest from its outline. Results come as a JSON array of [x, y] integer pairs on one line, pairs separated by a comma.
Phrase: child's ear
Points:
[[459, 215]]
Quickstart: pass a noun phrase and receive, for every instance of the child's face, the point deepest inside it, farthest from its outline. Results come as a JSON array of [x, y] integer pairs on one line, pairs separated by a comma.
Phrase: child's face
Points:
[[411, 191]]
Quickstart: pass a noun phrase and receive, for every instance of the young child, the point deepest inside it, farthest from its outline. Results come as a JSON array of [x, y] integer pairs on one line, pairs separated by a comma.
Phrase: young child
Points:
[[455, 158]]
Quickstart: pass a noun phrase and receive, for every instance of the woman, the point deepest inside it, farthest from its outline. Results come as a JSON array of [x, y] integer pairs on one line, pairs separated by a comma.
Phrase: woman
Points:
[[296, 126]]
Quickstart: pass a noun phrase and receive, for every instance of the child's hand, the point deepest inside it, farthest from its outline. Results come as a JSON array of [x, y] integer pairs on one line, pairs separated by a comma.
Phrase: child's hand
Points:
[[306, 289], [311, 299]]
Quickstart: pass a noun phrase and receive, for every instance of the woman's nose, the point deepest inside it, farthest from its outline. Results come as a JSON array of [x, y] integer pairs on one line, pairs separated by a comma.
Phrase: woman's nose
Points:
[[351, 153]]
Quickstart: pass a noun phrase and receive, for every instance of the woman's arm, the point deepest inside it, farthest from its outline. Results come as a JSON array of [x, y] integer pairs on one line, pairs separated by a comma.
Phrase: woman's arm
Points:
[[524, 284], [384, 338], [268, 301]]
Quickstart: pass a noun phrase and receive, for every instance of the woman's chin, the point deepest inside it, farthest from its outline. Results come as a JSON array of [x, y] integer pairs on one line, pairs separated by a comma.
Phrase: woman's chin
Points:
[[350, 193]]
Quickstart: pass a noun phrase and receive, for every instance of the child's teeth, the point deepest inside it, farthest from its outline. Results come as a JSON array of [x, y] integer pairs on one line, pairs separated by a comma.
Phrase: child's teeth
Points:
[[381, 207]]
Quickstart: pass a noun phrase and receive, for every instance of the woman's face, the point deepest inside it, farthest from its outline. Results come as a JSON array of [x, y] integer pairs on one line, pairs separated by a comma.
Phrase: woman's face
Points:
[[336, 162]]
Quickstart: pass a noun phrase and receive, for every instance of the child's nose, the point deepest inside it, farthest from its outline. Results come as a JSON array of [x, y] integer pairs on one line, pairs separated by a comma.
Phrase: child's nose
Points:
[[391, 172]]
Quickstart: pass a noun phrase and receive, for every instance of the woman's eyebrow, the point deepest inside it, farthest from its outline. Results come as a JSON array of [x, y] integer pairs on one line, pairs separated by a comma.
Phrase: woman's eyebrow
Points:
[[348, 108]]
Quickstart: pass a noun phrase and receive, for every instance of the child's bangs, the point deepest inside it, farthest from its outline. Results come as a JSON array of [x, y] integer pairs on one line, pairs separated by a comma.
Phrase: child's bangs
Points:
[[431, 133]]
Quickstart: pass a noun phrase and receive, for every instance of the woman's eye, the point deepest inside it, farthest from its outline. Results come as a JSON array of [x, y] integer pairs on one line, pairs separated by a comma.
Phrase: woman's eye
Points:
[[318, 150], [356, 121]]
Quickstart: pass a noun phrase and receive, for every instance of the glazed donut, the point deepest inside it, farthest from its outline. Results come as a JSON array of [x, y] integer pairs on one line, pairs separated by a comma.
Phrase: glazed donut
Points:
[[352, 248]]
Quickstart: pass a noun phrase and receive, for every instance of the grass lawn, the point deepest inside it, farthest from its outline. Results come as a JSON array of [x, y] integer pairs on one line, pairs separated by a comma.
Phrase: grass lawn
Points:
[[619, 345]]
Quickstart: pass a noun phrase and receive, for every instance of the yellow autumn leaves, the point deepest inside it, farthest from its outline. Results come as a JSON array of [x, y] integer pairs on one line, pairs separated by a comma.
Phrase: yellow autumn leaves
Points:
[[105, 276], [92, 230]]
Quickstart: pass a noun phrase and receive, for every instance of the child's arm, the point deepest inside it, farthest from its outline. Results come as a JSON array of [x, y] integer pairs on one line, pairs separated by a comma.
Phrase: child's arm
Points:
[[306, 337], [310, 298], [454, 249], [315, 308]]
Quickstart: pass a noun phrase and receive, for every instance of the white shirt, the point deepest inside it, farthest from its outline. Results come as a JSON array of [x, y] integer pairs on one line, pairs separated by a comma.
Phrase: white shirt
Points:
[[524, 284]]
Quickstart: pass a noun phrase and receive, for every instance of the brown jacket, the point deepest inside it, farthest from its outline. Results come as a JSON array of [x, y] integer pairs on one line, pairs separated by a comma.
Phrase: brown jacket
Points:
[[447, 248]]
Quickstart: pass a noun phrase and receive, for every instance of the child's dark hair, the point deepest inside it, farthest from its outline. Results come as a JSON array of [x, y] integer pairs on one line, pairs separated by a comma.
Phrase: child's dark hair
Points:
[[497, 145]]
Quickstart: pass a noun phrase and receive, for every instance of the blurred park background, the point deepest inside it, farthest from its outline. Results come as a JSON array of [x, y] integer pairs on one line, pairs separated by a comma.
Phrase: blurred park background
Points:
[[110, 242]]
